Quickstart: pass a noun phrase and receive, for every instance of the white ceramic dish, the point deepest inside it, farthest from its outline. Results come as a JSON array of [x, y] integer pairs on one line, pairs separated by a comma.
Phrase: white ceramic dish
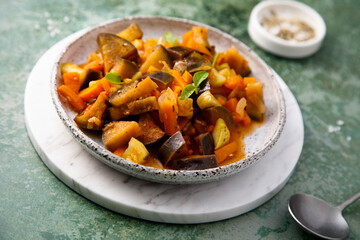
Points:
[[257, 144], [291, 10]]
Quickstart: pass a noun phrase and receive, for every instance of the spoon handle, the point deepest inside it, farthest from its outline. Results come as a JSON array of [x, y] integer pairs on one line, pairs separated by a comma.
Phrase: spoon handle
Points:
[[349, 201]]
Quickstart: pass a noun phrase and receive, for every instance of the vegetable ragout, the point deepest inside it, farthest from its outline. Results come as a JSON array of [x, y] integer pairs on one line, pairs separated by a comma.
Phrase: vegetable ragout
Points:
[[166, 103]]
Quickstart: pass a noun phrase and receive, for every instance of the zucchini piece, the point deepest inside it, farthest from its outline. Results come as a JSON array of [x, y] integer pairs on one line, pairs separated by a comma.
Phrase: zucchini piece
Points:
[[136, 151], [253, 112], [221, 134], [216, 79], [206, 100]]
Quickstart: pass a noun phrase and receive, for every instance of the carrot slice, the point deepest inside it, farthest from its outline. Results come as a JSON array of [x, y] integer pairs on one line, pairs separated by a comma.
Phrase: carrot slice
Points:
[[232, 81], [248, 80], [168, 111], [246, 120], [72, 80], [198, 47], [120, 150], [231, 104], [200, 35], [152, 69], [95, 89], [224, 152], [75, 101], [187, 77], [186, 38]]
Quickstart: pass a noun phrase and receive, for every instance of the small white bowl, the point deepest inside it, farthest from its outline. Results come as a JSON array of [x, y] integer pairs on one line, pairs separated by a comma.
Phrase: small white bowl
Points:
[[286, 9]]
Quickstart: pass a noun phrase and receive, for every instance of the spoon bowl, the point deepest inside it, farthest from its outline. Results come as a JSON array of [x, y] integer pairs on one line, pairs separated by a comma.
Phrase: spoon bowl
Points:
[[318, 217]]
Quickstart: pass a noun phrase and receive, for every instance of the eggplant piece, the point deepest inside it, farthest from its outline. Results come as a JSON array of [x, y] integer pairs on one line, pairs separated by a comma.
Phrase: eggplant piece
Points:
[[204, 86], [92, 117], [174, 147], [91, 75], [133, 108], [206, 146], [212, 114], [132, 91], [125, 68], [178, 52], [197, 162], [155, 59], [113, 47], [162, 79], [122, 92], [197, 62], [200, 125], [150, 131]]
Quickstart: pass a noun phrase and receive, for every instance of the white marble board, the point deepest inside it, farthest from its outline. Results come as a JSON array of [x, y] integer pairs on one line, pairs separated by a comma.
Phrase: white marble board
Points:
[[199, 203]]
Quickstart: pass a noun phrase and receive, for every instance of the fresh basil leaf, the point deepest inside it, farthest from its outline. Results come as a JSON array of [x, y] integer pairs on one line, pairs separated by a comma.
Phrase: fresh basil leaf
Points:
[[199, 77], [168, 37], [214, 60], [114, 77], [176, 40], [187, 91]]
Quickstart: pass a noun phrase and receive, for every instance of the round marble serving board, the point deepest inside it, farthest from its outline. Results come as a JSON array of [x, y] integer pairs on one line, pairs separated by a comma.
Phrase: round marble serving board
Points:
[[198, 203]]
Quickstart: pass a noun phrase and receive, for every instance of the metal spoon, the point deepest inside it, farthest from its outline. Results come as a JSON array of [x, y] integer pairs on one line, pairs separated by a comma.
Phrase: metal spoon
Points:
[[318, 217]]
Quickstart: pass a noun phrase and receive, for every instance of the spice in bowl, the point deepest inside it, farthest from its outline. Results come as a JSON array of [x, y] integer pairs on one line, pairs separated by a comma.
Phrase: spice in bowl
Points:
[[291, 29], [286, 28]]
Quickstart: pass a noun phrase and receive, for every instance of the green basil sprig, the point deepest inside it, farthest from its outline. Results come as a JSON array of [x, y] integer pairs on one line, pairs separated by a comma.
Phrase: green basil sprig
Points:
[[114, 77], [169, 38], [189, 89], [214, 60]]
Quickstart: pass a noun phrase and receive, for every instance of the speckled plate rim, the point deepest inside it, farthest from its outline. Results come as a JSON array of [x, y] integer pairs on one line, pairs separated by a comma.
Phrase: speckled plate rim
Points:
[[167, 176]]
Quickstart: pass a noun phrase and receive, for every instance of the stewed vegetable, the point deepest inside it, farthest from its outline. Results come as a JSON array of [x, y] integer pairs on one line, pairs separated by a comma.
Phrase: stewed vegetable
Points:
[[163, 102]]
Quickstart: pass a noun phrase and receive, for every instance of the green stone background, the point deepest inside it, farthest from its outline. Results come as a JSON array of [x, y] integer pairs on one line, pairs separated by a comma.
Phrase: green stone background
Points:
[[34, 204]]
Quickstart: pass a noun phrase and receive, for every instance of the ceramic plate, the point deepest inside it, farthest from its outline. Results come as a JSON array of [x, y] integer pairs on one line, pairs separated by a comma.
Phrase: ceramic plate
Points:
[[257, 144]]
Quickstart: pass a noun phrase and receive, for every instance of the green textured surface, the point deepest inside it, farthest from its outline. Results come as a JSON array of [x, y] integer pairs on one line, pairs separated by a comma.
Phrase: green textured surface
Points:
[[34, 204]]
